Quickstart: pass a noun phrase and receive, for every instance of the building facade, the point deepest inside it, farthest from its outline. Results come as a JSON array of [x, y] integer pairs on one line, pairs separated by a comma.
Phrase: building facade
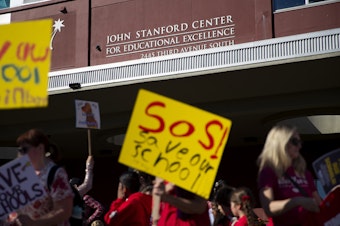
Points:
[[256, 62]]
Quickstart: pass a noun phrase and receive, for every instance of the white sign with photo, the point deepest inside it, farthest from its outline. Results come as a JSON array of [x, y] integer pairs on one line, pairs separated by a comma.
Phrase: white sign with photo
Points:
[[87, 114]]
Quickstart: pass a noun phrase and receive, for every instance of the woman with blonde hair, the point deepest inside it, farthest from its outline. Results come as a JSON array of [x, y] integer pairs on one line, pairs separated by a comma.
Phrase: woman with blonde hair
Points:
[[286, 188]]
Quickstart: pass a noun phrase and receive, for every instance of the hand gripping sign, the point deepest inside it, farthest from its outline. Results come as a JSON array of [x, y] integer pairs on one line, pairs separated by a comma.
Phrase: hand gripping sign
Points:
[[175, 141]]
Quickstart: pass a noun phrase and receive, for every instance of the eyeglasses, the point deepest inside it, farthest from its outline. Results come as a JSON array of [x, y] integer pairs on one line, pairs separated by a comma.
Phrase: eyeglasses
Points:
[[24, 150], [295, 141]]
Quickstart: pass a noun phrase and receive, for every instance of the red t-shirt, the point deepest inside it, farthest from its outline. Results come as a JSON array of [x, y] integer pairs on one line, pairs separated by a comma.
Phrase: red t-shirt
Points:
[[136, 210], [170, 215], [284, 189], [242, 221]]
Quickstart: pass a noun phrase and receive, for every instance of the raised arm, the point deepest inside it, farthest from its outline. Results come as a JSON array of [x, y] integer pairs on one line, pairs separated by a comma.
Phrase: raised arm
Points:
[[196, 205], [86, 186]]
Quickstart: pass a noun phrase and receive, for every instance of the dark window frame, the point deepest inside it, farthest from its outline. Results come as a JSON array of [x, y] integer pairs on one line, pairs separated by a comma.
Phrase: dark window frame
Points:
[[31, 5]]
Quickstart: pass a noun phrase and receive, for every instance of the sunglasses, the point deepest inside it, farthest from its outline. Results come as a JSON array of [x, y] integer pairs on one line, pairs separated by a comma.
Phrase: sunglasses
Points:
[[23, 150], [295, 141]]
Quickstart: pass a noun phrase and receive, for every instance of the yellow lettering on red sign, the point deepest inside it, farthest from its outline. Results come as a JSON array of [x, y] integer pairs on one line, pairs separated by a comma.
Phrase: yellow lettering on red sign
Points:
[[175, 141], [25, 58]]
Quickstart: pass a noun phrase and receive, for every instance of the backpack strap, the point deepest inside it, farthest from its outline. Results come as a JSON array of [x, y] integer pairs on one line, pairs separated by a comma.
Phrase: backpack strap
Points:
[[50, 176], [302, 191]]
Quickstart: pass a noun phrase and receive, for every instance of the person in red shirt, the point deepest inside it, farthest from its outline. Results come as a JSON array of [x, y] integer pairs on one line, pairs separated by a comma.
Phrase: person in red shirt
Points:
[[131, 207], [180, 207], [242, 204]]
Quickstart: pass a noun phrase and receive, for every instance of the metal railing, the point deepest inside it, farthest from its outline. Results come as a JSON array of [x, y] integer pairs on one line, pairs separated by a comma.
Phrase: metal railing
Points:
[[271, 51]]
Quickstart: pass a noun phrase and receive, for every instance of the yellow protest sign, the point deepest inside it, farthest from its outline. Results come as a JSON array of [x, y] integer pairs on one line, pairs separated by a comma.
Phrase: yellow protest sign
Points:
[[175, 141], [25, 58]]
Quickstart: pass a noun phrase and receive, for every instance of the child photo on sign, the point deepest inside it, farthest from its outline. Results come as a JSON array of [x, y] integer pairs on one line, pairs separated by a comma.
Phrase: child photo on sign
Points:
[[87, 114]]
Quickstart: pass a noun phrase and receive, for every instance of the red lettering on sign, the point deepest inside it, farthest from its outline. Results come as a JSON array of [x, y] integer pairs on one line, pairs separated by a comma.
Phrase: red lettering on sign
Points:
[[191, 129], [160, 119], [210, 144], [26, 50], [4, 48], [210, 137], [214, 156]]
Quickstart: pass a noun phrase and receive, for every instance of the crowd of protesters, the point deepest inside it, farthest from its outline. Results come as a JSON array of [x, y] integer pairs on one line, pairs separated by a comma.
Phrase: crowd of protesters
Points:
[[286, 192]]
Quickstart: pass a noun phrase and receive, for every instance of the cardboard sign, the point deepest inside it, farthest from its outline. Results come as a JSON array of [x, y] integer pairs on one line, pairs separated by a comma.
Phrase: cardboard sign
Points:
[[19, 185], [174, 141], [87, 114], [327, 169], [25, 58], [330, 208], [329, 214]]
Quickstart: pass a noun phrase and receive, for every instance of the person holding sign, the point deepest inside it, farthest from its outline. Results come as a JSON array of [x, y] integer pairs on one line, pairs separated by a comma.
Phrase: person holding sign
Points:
[[87, 184], [287, 189], [132, 207], [56, 207], [180, 207], [93, 209]]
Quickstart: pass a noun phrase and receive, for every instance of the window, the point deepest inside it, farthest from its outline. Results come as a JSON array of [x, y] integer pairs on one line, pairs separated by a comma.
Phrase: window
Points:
[[4, 4], [283, 4], [13, 3]]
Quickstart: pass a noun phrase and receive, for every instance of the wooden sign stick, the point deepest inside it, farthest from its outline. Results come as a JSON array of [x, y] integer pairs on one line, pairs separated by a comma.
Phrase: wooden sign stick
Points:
[[156, 200], [89, 141]]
